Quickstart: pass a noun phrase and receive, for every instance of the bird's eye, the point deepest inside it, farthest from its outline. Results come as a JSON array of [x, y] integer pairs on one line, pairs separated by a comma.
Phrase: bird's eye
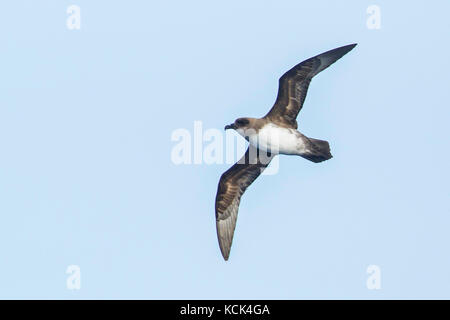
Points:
[[242, 122]]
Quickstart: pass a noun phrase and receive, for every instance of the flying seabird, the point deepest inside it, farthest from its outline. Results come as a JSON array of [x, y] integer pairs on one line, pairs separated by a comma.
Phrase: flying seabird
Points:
[[275, 133]]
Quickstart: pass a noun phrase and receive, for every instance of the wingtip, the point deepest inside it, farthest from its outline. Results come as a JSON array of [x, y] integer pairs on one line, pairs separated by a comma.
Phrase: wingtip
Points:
[[350, 46], [225, 254], [341, 51]]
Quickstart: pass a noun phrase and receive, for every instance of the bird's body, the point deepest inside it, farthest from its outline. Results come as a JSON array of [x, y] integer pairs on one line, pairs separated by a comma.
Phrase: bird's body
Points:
[[276, 139], [275, 133]]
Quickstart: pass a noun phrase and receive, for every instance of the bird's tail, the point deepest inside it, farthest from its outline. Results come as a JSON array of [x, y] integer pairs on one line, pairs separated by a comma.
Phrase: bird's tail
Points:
[[317, 150]]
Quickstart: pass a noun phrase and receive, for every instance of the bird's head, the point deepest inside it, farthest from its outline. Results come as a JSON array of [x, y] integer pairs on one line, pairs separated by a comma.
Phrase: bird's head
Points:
[[240, 125]]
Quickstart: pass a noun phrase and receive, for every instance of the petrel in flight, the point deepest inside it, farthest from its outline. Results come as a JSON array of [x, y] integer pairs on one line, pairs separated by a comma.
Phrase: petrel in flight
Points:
[[275, 133]]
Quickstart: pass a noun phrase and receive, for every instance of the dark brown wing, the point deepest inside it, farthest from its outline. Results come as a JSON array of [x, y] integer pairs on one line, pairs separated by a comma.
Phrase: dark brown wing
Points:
[[232, 185], [293, 86]]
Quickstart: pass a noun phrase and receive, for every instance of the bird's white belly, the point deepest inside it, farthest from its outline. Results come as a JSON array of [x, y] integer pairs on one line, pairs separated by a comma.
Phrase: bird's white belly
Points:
[[278, 140]]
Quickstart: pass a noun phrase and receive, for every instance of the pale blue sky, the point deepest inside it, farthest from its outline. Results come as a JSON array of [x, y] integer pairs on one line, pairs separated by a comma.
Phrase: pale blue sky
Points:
[[86, 176]]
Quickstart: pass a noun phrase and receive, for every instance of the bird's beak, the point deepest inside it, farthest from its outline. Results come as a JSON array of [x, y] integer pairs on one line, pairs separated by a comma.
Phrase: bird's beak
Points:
[[230, 126]]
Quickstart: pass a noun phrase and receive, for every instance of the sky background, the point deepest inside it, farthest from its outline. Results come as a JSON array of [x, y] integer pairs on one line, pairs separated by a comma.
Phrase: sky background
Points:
[[86, 176]]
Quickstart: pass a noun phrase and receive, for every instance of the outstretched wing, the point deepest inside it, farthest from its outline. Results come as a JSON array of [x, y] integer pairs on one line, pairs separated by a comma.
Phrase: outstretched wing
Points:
[[232, 185], [293, 86]]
